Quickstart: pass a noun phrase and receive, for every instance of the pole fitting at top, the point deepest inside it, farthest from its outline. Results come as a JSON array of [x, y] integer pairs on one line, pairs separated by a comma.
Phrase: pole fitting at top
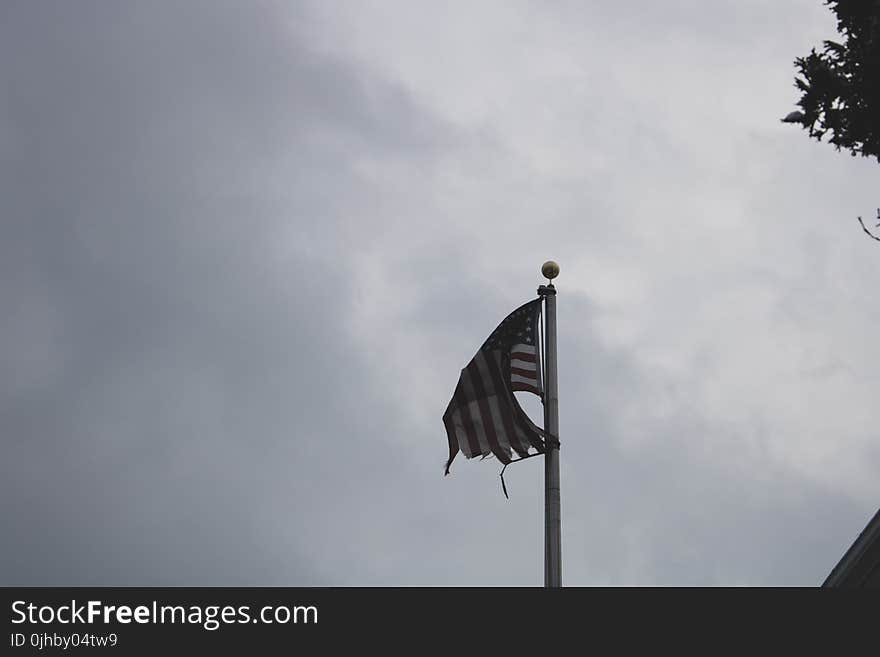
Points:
[[550, 270]]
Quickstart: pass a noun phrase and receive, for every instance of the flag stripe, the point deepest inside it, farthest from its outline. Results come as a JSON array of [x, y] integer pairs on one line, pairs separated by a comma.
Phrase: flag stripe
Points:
[[472, 388], [517, 440], [525, 387], [459, 434], [508, 402], [507, 440], [482, 409], [473, 409], [516, 378], [467, 437], [529, 374], [466, 431], [490, 409], [486, 425], [504, 407]]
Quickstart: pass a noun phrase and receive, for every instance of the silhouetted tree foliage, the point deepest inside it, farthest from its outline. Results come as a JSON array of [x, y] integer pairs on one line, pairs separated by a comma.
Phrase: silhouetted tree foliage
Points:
[[841, 85]]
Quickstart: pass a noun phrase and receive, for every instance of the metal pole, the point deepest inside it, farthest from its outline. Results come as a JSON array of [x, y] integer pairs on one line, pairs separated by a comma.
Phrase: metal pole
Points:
[[552, 511]]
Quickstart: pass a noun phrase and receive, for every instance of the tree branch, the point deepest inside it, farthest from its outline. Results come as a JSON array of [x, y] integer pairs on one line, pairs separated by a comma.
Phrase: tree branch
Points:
[[870, 234]]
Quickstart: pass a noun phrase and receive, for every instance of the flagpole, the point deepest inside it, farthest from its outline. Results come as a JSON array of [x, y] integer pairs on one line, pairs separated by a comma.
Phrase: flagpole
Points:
[[552, 511]]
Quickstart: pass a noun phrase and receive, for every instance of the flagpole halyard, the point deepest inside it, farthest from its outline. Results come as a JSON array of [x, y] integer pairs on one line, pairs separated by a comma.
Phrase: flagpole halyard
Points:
[[552, 507]]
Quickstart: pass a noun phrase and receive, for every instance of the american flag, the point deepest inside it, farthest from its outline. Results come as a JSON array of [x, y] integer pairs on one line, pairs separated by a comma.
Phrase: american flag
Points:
[[483, 416]]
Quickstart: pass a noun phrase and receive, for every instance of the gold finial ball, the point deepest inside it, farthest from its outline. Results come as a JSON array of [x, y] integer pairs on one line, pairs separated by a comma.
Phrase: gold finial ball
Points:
[[550, 270]]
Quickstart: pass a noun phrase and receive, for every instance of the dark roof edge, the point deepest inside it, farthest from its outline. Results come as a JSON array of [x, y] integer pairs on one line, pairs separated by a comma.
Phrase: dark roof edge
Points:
[[848, 563]]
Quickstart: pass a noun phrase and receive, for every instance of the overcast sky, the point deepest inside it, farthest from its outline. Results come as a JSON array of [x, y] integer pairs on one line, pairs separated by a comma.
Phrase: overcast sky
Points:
[[245, 249]]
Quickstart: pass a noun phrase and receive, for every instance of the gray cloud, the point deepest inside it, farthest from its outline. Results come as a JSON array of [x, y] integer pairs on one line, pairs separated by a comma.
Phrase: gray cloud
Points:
[[181, 385], [244, 251]]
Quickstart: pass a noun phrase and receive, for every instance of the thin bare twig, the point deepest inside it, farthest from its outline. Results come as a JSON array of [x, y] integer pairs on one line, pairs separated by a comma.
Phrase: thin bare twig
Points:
[[870, 234]]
